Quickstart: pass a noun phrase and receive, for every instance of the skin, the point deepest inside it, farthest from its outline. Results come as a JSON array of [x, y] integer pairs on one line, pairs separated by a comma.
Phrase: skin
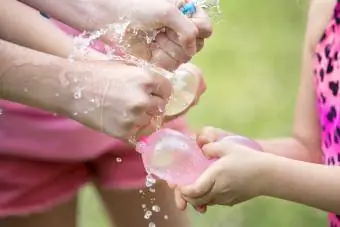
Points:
[[165, 52], [25, 65], [284, 168], [18, 29], [106, 82], [23, 16], [145, 15]]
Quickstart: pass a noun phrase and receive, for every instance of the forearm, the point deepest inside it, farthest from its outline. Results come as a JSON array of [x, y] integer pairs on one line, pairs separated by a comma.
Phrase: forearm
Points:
[[83, 15], [292, 148], [306, 183], [35, 79], [26, 27]]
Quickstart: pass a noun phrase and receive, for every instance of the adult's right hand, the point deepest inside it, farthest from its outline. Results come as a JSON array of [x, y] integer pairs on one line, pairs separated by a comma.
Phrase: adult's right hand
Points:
[[115, 98]]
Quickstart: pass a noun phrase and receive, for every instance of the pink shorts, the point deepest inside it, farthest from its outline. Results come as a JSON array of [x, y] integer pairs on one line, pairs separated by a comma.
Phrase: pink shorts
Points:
[[45, 160]]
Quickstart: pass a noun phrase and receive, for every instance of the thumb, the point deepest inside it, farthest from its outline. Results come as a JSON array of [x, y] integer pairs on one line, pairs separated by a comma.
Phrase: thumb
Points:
[[215, 150], [225, 146]]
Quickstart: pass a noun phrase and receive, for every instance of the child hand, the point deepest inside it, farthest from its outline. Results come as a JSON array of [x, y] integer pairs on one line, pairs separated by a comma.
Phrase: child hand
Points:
[[237, 176]]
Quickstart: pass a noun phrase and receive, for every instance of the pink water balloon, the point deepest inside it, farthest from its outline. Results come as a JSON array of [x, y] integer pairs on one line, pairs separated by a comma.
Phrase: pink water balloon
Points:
[[176, 158]]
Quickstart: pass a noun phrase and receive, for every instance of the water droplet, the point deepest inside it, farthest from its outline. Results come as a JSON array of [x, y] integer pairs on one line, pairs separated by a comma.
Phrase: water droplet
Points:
[[75, 114], [147, 214], [77, 94], [143, 205], [25, 90], [119, 160], [152, 190], [57, 94], [152, 224], [125, 114], [141, 191], [133, 140], [156, 208], [150, 181], [166, 217], [1, 111]]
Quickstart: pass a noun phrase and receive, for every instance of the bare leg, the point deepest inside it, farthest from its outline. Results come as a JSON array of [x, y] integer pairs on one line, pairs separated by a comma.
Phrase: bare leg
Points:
[[125, 208], [61, 216]]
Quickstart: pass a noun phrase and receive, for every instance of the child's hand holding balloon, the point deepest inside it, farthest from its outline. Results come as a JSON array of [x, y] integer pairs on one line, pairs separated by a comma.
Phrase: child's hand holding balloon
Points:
[[238, 175]]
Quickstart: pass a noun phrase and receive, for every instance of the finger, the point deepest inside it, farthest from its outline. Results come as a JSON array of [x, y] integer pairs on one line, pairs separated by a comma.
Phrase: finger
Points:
[[201, 209], [143, 119], [179, 201], [160, 86], [156, 106], [174, 50], [172, 186], [215, 149], [155, 123], [200, 201], [172, 35], [183, 26], [210, 134], [199, 44], [203, 23], [163, 59], [241, 143], [201, 141]]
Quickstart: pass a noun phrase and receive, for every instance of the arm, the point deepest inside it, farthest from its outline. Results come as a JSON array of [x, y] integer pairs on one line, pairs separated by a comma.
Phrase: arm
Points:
[[88, 15], [33, 78], [306, 183], [26, 27], [311, 184], [305, 145]]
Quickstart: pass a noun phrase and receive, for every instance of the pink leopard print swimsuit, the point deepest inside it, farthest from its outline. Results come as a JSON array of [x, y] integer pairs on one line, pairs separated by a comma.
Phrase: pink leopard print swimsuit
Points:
[[327, 78]]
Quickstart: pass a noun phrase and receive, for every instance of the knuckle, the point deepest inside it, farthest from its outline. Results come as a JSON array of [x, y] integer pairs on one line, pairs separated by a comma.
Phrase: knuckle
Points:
[[207, 29], [140, 105], [191, 34], [146, 80]]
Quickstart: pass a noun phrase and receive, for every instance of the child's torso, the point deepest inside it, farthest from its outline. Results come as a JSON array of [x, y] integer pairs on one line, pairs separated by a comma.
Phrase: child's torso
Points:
[[327, 81]]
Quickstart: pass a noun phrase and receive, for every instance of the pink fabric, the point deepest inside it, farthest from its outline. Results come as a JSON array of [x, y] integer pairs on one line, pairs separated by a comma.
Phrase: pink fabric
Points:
[[45, 159], [327, 76]]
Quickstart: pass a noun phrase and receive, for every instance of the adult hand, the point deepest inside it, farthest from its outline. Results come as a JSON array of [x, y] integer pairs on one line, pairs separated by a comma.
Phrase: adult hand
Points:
[[166, 50], [115, 98], [146, 15], [201, 89]]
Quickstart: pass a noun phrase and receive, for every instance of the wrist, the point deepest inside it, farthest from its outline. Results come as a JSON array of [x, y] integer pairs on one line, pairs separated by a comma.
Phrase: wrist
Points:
[[267, 165]]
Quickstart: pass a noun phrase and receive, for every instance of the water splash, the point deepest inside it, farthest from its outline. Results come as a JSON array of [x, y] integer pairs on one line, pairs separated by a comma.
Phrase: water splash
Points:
[[77, 93], [156, 208], [151, 224]]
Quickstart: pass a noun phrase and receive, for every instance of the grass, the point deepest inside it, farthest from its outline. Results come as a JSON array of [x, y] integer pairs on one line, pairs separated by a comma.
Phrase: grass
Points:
[[251, 66]]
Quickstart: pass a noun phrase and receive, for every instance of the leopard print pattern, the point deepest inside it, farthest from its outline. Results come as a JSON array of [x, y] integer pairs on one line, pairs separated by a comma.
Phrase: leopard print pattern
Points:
[[327, 78]]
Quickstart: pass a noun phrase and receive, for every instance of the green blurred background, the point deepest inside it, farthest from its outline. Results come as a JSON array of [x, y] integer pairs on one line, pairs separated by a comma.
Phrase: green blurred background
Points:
[[251, 66]]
